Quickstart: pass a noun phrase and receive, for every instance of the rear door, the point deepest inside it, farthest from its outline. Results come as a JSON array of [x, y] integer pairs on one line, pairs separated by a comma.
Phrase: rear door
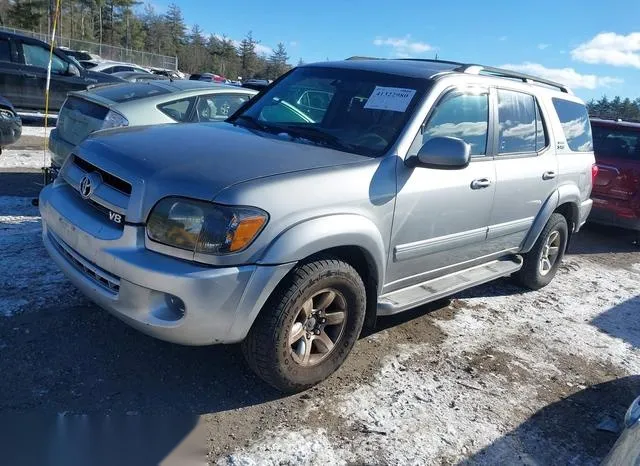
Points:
[[12, 77], [617, 150], [526, 168], [36, 60]]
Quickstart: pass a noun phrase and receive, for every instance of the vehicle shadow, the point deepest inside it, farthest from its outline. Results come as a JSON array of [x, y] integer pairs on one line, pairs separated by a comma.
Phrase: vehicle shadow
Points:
[[23, 183], [622, 321], [81, 360], [574, 418], [597, 239]]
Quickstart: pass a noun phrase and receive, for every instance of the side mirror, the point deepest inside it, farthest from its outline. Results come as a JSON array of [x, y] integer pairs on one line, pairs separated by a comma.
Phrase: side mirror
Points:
[[73, 70], [442, 152]]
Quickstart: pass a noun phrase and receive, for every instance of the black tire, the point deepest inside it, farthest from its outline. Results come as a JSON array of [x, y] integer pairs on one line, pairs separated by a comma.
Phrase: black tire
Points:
[[267, 348], [530, 274]]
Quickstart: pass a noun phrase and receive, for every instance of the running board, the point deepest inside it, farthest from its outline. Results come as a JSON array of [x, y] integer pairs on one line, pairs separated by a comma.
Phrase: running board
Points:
[[441, 287]]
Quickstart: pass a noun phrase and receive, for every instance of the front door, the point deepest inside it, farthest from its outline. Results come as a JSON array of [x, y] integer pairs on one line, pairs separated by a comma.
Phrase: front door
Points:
[[441, 216], [526, 169]]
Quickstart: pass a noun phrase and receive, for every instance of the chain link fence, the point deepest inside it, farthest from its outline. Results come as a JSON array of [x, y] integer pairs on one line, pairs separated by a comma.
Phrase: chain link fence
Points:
[[106, 52]]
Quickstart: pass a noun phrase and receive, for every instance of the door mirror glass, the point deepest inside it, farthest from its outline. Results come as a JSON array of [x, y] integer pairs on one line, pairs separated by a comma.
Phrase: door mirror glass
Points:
[[443, 152], [73, 70]]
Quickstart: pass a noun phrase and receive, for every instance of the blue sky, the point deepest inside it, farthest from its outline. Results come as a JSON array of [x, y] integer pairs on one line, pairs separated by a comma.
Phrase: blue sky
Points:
[[592, 46]]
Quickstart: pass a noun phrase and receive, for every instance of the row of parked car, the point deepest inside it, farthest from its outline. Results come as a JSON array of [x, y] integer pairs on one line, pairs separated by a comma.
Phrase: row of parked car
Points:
[[344, 191]]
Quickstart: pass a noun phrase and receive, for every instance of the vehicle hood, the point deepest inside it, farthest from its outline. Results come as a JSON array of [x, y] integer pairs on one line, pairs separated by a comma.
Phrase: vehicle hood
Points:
[[198, 160]]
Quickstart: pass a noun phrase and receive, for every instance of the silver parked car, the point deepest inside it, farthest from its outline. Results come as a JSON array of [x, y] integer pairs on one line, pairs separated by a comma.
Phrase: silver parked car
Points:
[[135, 104], [413, 180]]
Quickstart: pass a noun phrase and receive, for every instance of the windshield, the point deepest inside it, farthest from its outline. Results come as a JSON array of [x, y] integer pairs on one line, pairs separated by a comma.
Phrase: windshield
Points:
[[352, 110]]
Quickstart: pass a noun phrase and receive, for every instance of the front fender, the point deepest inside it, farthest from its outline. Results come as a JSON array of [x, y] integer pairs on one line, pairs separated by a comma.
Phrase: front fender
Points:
[[322, 233]]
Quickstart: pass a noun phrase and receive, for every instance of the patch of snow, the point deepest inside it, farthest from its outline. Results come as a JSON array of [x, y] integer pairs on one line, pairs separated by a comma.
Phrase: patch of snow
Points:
[[426, 408], [38, 130], [24, 158], [301, 447], [30, 279]]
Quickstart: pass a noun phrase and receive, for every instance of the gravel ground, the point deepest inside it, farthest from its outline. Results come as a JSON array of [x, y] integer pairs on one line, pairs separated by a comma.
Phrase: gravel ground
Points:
[[492, 376]]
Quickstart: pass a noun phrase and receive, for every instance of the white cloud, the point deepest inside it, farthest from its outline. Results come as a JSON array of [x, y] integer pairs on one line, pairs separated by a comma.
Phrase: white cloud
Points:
[[610, 48], [403, 46], [263, 49], [543, 46], [293, 43], [567, 76], [502, 38]]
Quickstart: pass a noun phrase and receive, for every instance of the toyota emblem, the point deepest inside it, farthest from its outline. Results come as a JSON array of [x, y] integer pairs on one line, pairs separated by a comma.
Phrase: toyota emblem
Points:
[[89, 183]]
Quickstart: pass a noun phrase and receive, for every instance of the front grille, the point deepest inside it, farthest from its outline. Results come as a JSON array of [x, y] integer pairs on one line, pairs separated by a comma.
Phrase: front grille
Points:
[[107, 281], [107, 177]]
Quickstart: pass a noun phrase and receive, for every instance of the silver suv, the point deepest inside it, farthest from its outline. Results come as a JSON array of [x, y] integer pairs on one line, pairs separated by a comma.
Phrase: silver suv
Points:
[[345, 191]]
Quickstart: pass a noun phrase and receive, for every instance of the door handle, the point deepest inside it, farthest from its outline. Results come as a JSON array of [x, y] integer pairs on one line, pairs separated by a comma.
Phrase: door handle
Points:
[[481, 183], [548, 175], [29, 75]]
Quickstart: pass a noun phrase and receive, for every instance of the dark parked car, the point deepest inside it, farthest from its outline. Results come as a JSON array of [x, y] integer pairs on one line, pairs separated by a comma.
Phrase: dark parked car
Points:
[[255, 84], [616, 192], [10, 124], [23, 74], [626, 451]]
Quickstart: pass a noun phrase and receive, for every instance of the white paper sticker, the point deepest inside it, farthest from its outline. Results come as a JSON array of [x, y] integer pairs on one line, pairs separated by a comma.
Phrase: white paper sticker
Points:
[[395, 99]]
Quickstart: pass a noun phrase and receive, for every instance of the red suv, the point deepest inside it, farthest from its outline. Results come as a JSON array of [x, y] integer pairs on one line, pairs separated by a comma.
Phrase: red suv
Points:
[[616, 191]]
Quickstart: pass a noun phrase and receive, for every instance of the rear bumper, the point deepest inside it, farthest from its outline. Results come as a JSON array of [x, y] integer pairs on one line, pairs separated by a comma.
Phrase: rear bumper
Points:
[[606, 216], [167, 298], [60, 149]]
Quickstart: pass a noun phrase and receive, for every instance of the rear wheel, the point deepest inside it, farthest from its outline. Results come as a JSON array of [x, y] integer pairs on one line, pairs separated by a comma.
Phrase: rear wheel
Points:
[[542, 262], [307, 328]]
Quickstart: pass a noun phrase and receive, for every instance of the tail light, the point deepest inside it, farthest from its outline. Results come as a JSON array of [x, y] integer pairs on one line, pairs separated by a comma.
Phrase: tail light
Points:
[[594, 173]]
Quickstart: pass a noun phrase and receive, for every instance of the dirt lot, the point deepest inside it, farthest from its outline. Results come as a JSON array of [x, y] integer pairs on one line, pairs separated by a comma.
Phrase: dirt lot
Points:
[[493, 376]]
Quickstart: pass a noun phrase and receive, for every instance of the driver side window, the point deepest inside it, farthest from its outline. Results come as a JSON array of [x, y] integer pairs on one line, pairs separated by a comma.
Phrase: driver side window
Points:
[[35, 55], [462, 114]]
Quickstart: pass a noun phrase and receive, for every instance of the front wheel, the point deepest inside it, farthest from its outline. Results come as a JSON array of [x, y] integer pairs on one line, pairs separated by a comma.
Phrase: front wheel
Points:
[[307, 328], [542, 262]]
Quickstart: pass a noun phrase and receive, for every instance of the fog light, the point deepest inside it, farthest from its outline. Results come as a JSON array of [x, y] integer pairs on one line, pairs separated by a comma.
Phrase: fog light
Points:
[[176, 306]]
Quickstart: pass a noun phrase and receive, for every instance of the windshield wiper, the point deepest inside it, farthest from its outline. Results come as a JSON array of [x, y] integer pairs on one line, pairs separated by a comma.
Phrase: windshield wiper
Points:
[[315, 135], [253, 121]]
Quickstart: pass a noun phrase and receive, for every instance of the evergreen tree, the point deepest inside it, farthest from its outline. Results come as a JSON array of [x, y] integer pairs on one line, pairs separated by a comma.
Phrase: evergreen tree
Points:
[[277, 64], [249, 64], [26, 14]]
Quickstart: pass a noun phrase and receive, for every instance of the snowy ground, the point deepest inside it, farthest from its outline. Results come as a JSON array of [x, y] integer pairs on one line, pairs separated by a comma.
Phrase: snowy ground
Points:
[[504, 357], [24, 158], [38, 130], [29, 279]]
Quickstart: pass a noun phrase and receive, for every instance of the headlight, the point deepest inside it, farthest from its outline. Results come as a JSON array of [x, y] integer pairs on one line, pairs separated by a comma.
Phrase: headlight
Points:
[[203, 227], [114, 120], [633, 414]]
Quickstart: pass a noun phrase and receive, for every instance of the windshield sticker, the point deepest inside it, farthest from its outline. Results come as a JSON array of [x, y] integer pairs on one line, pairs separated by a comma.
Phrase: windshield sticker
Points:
[[395, 99]]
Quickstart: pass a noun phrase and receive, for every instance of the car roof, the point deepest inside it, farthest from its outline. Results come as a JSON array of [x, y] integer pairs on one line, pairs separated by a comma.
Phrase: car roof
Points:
[[191, 85], [621, 123], [429, 69], [408, 68]]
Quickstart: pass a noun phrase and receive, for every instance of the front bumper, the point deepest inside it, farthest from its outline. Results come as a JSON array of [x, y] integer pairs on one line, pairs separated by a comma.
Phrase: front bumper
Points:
[[167, 298], [60, 149]]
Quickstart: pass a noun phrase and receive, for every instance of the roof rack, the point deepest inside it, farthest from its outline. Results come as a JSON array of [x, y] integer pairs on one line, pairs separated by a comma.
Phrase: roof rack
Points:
[[502, 73]]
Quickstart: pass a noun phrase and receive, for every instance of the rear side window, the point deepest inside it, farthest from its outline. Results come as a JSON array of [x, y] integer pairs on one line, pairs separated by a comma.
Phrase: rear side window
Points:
[[520, 124], [179, 110], [5, 50], [129, 92], [616, 142], [218, 107], [464, 115], [575, 123]]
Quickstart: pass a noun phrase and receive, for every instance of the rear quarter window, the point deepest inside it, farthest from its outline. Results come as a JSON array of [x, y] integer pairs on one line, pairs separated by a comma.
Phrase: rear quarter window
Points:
[[574, 119]]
